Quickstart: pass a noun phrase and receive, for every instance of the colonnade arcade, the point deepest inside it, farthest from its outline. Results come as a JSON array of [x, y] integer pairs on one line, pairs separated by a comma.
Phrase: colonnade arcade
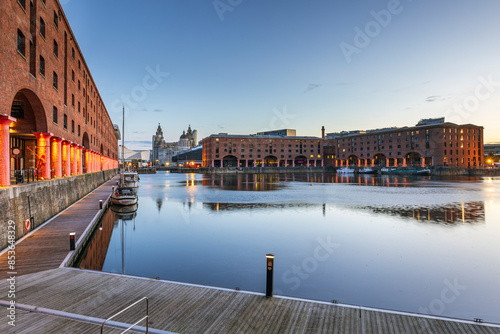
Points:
[[268, 161], [26, 145], [381, 160]]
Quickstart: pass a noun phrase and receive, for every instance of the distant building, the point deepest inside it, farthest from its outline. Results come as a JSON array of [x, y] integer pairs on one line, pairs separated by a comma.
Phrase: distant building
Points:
[[224, 150], [432, 142], [282, 132], [492, 149], [190, 158], [138, 158], [162, 152]]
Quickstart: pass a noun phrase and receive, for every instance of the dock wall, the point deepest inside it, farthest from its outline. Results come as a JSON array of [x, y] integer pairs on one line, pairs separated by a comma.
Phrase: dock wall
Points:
[[40, 201]]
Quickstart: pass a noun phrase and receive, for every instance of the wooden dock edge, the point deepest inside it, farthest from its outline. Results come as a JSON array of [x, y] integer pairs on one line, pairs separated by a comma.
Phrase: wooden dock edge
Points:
[[83, 318], [320, 302]]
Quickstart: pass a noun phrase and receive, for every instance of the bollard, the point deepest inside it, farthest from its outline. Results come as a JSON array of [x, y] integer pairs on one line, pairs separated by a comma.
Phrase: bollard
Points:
[[269, 276], [100, 204], [72, 241]]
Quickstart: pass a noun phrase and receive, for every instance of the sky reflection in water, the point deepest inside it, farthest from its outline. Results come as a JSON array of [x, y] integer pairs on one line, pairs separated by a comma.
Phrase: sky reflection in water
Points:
[[411, 244]]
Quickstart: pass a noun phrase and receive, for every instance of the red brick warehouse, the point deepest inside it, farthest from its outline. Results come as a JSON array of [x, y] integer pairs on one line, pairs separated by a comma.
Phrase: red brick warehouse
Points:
[[432, 142], [52, 116], [225, 150]]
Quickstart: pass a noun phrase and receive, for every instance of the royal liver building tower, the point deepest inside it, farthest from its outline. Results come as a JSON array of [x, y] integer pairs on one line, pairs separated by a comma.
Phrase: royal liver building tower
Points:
[[163, 152]]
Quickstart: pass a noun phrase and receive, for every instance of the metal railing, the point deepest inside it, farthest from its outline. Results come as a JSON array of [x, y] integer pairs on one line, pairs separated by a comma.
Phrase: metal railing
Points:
[[135, 324], [25, 175]]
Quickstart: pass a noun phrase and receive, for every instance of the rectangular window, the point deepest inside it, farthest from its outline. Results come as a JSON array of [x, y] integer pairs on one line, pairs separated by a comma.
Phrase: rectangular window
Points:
[[21, 43], [22, 3], [65, 121], [54, 115], [73, 53], [56, 19], [56, 49], [73, 100], [72, 126], [42, 66], [79, 105], [78, 130], [73, 75], [42, 28], [54, 81]]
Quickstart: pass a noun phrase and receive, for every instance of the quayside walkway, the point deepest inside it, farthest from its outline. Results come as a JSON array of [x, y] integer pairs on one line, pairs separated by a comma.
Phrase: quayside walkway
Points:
[[46, 247], [185, 308]]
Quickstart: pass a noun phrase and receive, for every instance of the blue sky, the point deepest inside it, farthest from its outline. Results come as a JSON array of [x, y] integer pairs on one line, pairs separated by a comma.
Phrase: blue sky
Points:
[[243, 66]]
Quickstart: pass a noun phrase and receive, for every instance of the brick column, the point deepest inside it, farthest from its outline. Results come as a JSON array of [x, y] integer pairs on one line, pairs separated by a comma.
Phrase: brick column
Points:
[[73, 159], [66, 157], [79, 162], [87, 161], [387, 162], [423, 162], [56, 155], [43, 153], [5, 121]]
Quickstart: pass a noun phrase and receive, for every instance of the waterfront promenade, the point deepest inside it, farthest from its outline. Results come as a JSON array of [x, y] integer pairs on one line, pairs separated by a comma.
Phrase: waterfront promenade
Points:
[[46, 247]]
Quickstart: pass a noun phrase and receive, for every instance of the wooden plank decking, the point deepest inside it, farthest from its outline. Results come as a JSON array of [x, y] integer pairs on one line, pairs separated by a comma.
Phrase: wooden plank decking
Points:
[[182, 308], [47, 247]]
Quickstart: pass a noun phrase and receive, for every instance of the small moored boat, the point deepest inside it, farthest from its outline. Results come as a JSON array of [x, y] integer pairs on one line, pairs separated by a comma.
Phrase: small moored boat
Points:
[[346, 170], [124, 196], [367, 170]]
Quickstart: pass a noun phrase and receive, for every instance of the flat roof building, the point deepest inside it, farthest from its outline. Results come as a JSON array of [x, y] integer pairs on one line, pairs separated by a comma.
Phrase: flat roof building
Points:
[[224, 150], [282, 132], [432, 142]]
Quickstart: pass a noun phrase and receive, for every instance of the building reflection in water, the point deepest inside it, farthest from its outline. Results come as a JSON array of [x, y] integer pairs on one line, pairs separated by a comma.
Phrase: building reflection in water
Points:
[[266, 182], [453, 213], [243, 182], [471, 212], [95, 253]]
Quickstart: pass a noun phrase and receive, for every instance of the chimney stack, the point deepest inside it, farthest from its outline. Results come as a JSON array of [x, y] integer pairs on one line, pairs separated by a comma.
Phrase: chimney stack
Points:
[[323, 132]]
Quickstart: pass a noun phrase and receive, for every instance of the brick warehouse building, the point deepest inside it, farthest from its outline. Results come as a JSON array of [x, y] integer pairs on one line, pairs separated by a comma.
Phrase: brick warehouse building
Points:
[[223, 150], [432, 142], [51, 114]]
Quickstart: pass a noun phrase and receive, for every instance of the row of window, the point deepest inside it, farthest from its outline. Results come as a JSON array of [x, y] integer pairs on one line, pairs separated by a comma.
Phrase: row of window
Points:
[[258, 150], [55, 120], [259, 156], [463, 152], [65, 121], [266, 145]]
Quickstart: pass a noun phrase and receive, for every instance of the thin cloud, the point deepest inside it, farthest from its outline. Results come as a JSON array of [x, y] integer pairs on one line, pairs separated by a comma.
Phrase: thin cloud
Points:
[[310, 87]]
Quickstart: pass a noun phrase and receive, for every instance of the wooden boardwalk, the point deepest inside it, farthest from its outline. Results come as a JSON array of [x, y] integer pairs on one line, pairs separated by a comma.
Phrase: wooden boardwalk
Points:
[[184, 308], [46, 247]]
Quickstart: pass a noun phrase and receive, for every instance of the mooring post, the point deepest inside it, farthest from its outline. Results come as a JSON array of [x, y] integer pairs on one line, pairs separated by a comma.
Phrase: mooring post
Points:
[[72, 241], [270, 274], [100, 204]]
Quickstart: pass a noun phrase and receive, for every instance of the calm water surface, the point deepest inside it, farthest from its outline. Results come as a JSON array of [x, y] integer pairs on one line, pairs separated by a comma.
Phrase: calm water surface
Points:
[[412, 244]]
